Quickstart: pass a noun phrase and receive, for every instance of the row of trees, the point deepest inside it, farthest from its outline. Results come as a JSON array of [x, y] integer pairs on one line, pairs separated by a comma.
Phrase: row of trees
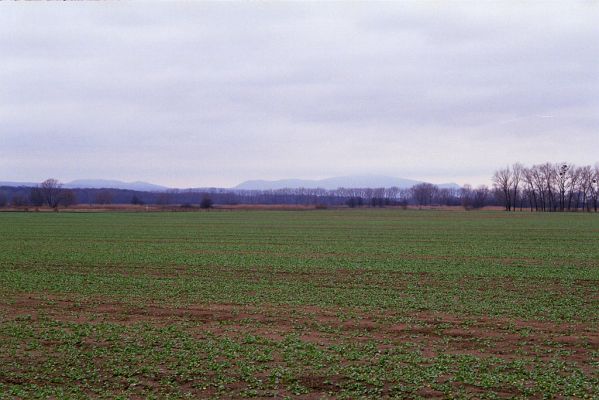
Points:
[[548, 187], [52, 194], [542, 187]]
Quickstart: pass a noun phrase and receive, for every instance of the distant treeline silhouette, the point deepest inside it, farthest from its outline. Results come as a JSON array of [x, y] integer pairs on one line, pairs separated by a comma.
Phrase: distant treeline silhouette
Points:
[[543, 187], [51, 194]]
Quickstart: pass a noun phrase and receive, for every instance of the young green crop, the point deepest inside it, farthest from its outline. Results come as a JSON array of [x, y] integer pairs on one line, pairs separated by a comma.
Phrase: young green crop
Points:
[[333, 303]]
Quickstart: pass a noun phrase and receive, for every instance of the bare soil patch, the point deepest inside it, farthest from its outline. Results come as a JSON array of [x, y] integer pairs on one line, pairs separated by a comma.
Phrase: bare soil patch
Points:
[[438, 333]]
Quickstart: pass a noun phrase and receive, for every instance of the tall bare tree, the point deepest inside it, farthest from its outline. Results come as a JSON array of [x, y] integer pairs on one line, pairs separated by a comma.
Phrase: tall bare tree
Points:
[[571, 184], [595, 186], [587, 175], [547, 173], [466, 196], [424, 193], [562, 175], [51, 190], [479, 196], [517, 172], [530, 191], [502, 179]]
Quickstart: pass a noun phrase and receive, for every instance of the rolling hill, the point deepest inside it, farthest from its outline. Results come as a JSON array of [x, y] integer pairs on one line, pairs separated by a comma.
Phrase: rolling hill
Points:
[[351, 181]]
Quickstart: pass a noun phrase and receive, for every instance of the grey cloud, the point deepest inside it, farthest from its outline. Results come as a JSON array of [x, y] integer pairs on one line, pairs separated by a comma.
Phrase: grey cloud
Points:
[[215, 93]]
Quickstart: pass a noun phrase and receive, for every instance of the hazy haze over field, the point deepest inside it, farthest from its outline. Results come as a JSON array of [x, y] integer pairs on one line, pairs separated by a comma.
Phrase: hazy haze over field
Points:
[[197, 94]]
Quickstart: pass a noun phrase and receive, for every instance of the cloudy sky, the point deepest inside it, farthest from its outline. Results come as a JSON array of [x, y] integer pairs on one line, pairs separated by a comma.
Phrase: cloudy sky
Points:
[[211, 94]]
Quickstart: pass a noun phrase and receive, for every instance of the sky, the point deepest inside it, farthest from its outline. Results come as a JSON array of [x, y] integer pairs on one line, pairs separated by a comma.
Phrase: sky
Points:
[[195, 94]]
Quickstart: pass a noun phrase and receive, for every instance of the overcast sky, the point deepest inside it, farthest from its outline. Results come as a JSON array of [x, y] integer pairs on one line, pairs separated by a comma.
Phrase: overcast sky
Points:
[[210, 94]]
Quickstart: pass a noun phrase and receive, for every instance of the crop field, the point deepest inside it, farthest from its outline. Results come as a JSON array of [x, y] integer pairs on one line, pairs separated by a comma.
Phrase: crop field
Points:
[[299, 304]]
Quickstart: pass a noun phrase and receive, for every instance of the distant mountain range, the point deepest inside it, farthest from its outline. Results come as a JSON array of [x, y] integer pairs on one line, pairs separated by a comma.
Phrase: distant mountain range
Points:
[[352, 181], [113, 184], [98, 184], [18, 184]]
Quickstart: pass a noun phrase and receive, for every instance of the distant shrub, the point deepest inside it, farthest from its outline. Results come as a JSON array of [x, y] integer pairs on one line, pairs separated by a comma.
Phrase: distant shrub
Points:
[[137, 201], [206, 202]]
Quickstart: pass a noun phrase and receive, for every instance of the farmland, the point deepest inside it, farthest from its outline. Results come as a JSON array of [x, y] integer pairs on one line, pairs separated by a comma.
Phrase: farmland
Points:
[[307, 304]]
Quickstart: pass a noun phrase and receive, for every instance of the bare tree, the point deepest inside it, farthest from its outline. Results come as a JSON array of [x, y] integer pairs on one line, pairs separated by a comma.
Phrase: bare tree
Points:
[[136, 200], [67, 198], [572, 183], [551, 186], [466, 196], [392, 195], [502, 179], [561, 178], [424, 193], [538, 186], [206, 202], [51, 190], [531, 194], [595, 187], [479, 196], [548, 172], [517, 172]]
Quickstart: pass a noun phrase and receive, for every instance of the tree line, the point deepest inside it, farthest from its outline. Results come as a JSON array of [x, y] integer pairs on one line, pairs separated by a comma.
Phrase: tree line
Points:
[[50, 193], [543, 187], [548, 187]]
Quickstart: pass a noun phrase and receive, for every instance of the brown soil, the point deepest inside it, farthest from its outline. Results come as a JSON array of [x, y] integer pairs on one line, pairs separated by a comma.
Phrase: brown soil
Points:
[[434, 333]]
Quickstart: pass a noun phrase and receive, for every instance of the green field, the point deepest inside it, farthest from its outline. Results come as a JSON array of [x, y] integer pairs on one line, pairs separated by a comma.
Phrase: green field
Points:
[[304, 304]]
